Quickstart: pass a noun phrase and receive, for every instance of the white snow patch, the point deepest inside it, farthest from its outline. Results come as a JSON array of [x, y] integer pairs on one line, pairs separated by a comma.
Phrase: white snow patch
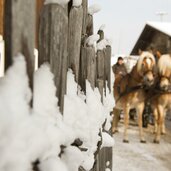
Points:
[[102, 44], [77, 3], [91, 40], [60, 2], [107, 163], [73, 158], [94, 9], [164, 27], [107, 140], [107, 169]]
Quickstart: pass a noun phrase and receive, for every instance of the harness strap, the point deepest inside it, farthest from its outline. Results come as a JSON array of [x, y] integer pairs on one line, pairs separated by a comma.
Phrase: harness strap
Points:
[[128, 90]]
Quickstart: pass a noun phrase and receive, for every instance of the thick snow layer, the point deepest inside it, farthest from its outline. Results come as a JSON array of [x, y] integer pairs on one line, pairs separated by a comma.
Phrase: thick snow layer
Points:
[[77, 3], [53, 164], [60, 2], [102, 44], [28, 135], [73, 158], [94, 9], [85, 115], [107, 140], [164, 27], [36, 134]]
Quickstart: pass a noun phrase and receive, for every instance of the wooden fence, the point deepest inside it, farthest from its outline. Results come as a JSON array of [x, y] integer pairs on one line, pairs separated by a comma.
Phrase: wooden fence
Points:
[[62, 35]]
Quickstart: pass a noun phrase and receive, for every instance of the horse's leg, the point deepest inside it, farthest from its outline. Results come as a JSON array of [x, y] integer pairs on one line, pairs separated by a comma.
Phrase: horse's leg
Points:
[[155, 113], [126, 123], [140, 109], [163, 128], [116, 114], [160, 121]]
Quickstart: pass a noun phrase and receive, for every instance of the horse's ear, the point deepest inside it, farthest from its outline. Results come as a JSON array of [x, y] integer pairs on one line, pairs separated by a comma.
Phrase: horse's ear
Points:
[[158, 54], [140, 51]]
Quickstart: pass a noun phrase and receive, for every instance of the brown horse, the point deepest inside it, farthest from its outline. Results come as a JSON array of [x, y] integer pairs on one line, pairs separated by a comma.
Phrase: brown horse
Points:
[[129, 92], [161, 100]]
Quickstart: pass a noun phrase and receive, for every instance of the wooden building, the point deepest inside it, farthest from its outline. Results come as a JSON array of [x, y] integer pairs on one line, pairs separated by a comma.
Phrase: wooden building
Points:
[[155, 35]]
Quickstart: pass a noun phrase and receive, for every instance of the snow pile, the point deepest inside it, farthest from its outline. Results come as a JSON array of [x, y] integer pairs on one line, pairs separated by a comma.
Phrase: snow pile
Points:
[[35, 135], [102, 44], [107, 140], [14, 115], [60, 2], [77, 3], [85, 115], [94, 9], [91, 40]]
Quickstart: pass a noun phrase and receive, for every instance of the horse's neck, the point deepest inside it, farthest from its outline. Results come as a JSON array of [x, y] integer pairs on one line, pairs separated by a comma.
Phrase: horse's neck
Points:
[[135, 78]]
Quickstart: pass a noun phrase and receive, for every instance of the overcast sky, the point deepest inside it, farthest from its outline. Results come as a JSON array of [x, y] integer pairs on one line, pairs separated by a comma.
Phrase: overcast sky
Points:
[[125, 19]]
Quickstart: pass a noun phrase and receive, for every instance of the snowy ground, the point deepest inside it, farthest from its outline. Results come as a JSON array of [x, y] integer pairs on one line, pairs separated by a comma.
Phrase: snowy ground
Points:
[[141, 157]]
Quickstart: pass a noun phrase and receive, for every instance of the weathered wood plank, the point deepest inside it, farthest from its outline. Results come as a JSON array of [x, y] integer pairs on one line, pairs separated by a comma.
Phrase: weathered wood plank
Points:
[[100, 70], [39, 6], [85, 10], [108, 66], [19, 32], [74, 39], [91, 66], [90, 25], [53, 37], [88, 67], [83, 73]]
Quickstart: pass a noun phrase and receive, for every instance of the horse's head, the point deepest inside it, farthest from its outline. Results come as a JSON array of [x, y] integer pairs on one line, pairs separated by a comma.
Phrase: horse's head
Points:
[[164, 71], [145, 68]]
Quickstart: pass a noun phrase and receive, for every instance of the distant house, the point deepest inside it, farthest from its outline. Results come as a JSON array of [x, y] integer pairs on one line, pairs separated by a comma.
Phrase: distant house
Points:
[[156, 35]]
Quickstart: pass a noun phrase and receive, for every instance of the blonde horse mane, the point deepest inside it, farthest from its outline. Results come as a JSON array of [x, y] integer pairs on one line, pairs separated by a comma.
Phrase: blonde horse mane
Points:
[[141, 58], [164, 65]]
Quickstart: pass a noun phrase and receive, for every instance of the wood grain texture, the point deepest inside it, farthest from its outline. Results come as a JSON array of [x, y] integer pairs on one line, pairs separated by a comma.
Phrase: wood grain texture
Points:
[[88, 67], [90, 25], [74, 39], [19, 32], [53, 36], [108, 55]]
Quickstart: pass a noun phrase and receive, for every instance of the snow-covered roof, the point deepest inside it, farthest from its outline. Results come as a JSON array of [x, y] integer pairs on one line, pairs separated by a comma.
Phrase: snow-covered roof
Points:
[[164, 27]]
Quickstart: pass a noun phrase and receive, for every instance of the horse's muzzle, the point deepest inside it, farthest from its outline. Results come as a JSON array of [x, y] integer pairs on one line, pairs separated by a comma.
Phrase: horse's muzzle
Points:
[[149, 82]]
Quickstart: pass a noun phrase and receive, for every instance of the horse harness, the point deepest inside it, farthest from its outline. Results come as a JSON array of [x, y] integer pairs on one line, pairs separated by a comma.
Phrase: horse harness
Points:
[[128, 89]]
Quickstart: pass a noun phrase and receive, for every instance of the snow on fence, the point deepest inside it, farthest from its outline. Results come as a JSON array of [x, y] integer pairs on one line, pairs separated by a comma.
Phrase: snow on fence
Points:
[[57, 118]]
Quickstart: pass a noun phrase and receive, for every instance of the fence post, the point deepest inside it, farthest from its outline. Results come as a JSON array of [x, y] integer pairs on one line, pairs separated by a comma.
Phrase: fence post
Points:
[[88, 69], [39, 6], [85, 9], [74, 39], [90, 25], [100, 71], [19, 35], [53, 35], [108, 66]]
